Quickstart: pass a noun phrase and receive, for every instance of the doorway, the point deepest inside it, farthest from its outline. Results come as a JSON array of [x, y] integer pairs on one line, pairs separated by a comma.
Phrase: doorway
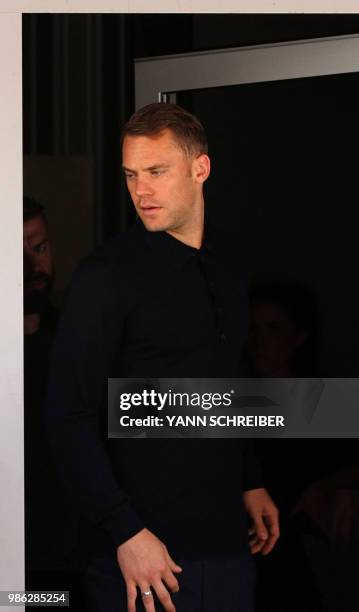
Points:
[[282, 127]]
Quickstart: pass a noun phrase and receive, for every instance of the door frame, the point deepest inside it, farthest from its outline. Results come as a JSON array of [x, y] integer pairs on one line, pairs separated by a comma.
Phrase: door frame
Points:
[[159, 78]]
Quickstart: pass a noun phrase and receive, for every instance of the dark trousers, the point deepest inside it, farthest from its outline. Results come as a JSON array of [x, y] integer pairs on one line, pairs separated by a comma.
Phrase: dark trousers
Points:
[[225, 585]]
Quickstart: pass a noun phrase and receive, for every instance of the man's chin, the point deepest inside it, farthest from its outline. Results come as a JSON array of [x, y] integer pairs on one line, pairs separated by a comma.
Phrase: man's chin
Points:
[[153, 225]]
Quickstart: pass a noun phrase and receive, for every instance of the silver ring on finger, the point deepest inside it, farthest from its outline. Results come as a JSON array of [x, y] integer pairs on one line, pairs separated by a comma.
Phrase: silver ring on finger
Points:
[[146, 593]]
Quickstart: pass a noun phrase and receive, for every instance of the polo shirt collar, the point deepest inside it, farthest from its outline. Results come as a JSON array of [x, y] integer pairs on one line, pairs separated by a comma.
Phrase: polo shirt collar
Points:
[[176, 252]]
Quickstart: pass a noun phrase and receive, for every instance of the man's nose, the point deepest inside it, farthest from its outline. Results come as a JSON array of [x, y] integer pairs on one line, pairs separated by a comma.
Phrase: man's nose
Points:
[[143, 187], [32, 262]]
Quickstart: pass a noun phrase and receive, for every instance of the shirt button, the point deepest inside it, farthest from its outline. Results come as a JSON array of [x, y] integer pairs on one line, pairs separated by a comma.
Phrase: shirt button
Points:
[[211, 284], [219, 310], [223, 337]]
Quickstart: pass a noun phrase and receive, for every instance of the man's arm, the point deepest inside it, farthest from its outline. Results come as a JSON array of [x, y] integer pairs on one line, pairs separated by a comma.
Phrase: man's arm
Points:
[[332, 503], [84, 347], [264, 530], [88, 338]]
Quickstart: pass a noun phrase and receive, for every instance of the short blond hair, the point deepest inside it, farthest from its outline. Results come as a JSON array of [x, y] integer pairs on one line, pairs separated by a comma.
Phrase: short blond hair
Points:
[[154, 118]]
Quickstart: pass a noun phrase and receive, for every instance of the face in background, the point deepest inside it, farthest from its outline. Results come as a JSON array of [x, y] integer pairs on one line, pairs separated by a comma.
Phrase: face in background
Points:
[[38, 269], [273, 340], [164, 183]]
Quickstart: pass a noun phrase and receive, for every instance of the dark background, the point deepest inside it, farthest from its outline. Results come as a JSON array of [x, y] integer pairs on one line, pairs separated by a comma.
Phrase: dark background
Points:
[[78, 79], [78, 88], [288, 181]]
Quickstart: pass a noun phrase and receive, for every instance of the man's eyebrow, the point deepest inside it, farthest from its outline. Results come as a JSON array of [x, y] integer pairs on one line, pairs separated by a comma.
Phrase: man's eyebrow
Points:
[[157, 167], [30, 236], [148, 169]]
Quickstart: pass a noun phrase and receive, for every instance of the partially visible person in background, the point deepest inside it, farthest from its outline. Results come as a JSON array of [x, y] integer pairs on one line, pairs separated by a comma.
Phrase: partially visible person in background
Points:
[[328, 513], [51, 555], [316, 557], [38, 269], [283, 334]]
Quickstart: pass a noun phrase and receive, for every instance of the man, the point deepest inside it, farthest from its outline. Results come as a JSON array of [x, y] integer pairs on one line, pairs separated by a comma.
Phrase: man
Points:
[[51, 525], [165, 299], [38, 266]]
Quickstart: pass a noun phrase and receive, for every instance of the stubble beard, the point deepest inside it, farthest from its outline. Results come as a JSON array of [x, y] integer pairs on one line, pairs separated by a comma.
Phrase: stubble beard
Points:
[[172, 223], [35, 301]]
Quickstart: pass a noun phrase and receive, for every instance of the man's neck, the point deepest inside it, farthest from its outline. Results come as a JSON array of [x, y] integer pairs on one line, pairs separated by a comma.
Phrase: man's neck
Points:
[[192, 234], [31, 323]]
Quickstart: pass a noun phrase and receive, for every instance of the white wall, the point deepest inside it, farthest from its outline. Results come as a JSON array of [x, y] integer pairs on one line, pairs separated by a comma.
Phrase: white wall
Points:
[[11, 384]]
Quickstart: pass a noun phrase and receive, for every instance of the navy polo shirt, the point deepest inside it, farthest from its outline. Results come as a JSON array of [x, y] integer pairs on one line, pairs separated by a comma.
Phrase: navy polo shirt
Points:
[[146, 305]]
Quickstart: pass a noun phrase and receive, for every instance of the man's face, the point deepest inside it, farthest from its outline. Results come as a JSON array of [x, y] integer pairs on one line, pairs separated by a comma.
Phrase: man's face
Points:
[[38, 272], [165, 185], [272, 340]]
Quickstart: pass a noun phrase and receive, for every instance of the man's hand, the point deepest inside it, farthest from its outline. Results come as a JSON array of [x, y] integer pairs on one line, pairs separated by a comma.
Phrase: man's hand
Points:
[[145, 563], [265, 523]]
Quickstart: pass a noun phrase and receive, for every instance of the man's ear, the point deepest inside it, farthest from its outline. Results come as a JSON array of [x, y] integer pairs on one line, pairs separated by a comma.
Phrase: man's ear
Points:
[[201, 168]]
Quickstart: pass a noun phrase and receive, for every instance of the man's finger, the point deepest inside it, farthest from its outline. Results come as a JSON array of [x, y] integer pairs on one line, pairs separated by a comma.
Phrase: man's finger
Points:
[[147, 598], [131, 597], [256, 545], [269, 544], [260, 528], [171, 581], [164, 596], [274, 532]]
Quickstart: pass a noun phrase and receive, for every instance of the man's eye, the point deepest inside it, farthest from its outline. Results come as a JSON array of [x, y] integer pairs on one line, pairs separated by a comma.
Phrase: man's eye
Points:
[[128, 175], [156, 172], [41, 248]]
